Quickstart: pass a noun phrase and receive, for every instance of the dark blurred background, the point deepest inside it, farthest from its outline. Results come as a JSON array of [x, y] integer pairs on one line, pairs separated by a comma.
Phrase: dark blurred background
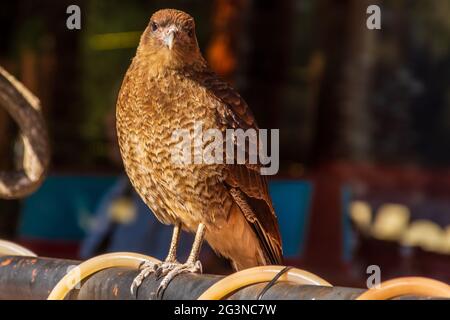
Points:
[[364, 119]]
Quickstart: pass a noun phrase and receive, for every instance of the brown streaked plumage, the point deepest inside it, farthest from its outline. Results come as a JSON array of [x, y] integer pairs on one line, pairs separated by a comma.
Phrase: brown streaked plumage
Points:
[[167, 87]]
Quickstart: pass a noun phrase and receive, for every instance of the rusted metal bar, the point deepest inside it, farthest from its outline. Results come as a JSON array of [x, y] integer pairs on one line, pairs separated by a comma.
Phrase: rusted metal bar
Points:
[[34, 278]]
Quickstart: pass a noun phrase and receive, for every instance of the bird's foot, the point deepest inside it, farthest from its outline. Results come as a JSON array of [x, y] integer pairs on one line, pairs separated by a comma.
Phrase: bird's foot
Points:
[[176, 269], [165, 267], [146, 268]]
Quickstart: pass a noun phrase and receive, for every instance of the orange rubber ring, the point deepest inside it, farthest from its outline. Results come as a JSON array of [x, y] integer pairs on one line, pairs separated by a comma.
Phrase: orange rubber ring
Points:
[[417, 286], [93, 265], [255, 275]]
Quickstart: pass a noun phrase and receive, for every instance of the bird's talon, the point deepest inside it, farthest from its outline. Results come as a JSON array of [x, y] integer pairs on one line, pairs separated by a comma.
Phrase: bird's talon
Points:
[[160, 291], [198, 266], [146, 268], [148, 265], [165, 268], [195, 267]]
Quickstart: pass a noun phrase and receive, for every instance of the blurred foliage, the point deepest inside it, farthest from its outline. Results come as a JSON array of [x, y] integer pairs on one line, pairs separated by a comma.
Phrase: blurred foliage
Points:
[[411, 85], [298, 92], [431, 25]]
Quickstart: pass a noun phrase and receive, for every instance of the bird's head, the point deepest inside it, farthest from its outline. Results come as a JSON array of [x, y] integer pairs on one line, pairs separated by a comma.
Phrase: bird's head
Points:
[[170, 39]]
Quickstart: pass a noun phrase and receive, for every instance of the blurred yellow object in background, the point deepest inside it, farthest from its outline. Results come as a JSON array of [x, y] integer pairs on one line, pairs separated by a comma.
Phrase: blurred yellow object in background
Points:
[[447, 240], [123, 211], [391, 222], [361, 215], [427, 235]]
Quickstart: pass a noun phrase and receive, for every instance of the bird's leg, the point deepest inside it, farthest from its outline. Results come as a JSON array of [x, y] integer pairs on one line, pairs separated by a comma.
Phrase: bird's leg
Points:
[[191, 265], [149, 267], [196, 246], [171, 260], [172, 255]]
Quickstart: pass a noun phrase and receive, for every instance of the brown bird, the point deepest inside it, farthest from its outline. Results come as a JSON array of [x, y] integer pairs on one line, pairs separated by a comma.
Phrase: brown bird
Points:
[[169, 86]]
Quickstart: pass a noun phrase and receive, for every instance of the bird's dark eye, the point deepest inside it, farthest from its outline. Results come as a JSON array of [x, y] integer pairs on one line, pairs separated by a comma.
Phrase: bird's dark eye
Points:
[[190, 32], [154, 26]]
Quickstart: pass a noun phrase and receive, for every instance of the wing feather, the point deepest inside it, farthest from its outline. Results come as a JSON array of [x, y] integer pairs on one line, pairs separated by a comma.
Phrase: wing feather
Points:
[[246, 185]]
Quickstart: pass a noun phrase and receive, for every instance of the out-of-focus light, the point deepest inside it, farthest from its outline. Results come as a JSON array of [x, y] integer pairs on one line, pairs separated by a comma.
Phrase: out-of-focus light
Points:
[[427, 235], [361, 214], [447, 240], [391, 222], [123, 211], [111, 41]]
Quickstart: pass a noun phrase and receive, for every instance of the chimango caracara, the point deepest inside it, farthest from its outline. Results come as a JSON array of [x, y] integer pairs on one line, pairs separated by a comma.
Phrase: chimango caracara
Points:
[[169, 87]]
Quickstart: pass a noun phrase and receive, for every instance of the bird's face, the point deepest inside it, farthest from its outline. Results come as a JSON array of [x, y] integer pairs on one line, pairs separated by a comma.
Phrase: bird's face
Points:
[[170, 38]]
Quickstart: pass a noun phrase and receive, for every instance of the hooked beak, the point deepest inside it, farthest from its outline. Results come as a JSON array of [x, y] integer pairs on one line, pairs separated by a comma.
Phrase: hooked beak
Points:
[[169, 36]]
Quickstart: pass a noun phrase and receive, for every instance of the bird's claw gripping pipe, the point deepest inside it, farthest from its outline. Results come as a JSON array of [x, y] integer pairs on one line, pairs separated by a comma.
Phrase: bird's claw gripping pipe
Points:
[[170, 268], [146, 268], [193, 267]]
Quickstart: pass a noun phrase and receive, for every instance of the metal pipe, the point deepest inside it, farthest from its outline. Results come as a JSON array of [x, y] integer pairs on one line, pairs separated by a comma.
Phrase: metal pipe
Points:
[[34, 278]]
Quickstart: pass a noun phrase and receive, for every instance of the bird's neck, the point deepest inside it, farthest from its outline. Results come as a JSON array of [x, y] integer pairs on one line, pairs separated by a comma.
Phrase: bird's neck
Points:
[[161, 64]]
